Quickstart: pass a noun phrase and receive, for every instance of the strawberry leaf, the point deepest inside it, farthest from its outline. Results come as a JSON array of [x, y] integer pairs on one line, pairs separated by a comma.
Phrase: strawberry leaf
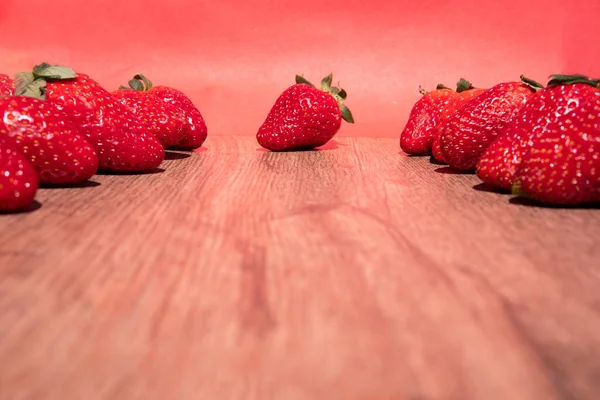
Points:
[[302, 80], [136, 85], [48, 71], [463, 85], [337, 92], [572, 79], [25, 86], [531, 83], [441, 86], [346, 114], [327, 82], [23, 79], [147, 83]]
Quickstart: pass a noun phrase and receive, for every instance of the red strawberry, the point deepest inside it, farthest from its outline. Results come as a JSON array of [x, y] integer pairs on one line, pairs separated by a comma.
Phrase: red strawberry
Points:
[[165, 120], [7, 86], [498, 163], [18, 179], [552, 115], [44, 134], [466, 92], [195, 130], [122, 143], [472, 129], [417, 136], [304, 117], [562, 164]]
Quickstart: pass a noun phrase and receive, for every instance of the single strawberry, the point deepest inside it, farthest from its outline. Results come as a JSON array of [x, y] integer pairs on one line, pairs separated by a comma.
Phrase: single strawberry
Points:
[[304, 117], [466, 92], [562, 163], [165, 120], [48, 139], [417, 136], [550, 114], [18, 179], [475, 126], [121, 142], [498, 163], [195, 131], [7, 86]]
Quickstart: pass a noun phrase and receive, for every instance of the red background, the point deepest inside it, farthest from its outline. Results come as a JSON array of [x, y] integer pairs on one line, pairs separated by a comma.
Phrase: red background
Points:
[[234, 57]]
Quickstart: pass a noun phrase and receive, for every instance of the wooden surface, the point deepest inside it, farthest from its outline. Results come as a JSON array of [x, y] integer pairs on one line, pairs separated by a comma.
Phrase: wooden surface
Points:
[[349, 273]]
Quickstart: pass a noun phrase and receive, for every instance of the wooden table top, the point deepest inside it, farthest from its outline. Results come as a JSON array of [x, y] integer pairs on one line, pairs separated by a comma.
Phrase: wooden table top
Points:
[[350, 273]]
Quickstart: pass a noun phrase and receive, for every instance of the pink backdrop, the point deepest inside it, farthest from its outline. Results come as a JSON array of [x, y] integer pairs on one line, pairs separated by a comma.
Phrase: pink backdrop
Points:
[[234, 57]]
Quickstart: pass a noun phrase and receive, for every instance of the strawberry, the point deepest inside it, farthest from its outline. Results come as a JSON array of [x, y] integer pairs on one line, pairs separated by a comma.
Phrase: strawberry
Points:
[[562, 164], [466, 92], [46, 137], [18, 179], [195, 131], [417, 136], [498, 163], [304, 117], [472, 129], [7, 85], [165, 120], [560, 114], [121, 142]]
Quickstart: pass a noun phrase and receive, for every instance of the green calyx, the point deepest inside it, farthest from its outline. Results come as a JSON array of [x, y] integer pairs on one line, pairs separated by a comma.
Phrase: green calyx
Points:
[[572, 79], [463, 85], [139, 83], [33, 84], [531, 83], [338, 93], [440, 86]]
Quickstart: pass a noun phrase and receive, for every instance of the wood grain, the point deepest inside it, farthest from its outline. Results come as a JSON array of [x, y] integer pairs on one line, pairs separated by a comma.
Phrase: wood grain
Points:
[[354, 272]]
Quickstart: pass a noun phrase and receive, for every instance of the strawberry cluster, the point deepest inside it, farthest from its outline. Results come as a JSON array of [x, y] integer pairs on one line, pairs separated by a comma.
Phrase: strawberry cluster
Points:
[[538, 142], [59, 127]]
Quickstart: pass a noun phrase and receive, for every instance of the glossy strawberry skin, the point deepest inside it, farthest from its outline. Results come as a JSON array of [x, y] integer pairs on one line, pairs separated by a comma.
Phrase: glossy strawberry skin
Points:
[[417, 136], [498, 163], [164, 120], [475, 126], [546, 113], [48, 139], [195, 130], [451, 110], [303, 117], [562, 165], [121, 142], [7, 85], [18, 179]]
